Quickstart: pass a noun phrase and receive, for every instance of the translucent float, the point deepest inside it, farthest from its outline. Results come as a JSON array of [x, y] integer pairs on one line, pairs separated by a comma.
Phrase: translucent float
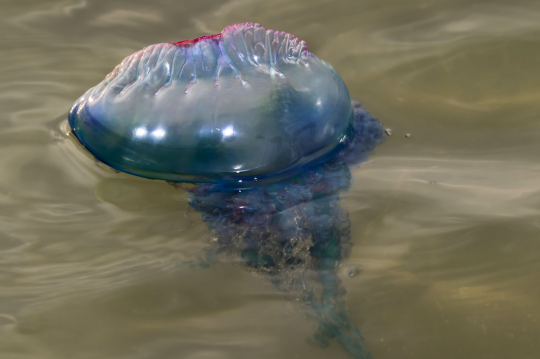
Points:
[[247, 104]]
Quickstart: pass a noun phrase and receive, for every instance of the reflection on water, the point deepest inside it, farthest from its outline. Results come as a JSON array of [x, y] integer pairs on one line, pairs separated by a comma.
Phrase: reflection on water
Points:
[[444, 223]]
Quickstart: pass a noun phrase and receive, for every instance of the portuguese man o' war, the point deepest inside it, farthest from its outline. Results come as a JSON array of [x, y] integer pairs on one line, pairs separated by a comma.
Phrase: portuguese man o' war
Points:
[[267, 131], [248, 103]]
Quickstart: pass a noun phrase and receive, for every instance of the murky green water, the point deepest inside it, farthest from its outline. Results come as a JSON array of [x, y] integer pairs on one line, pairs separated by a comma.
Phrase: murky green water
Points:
[[445, 223]]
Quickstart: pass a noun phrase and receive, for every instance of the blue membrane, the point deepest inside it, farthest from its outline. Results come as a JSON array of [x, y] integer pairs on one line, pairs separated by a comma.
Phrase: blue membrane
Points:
[[242, 106]]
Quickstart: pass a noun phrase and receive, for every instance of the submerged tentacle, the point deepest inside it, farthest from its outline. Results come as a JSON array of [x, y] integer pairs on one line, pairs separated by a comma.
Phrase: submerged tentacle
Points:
[[295, 234]]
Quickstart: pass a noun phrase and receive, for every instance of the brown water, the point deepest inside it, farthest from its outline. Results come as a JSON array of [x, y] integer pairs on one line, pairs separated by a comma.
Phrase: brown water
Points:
[[445, 222]]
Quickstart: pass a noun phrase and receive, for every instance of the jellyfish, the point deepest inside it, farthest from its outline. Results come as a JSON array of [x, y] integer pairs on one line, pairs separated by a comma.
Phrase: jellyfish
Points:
[[266, 134], [247, 104]]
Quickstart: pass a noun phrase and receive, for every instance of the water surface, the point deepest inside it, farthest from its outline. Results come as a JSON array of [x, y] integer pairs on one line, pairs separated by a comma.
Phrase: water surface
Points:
[[445, 222]]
